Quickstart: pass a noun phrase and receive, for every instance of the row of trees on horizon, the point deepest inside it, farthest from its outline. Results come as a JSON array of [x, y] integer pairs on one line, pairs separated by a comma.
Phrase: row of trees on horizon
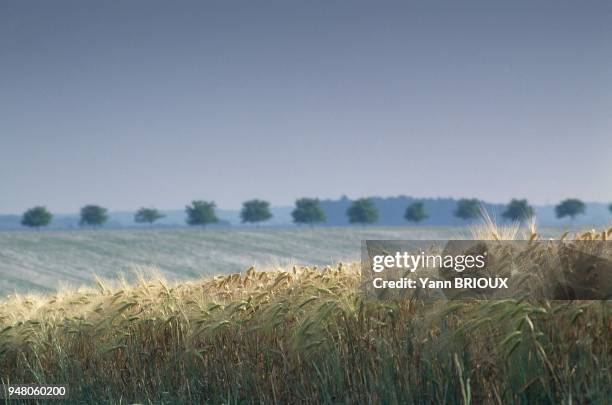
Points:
[[307, 211]]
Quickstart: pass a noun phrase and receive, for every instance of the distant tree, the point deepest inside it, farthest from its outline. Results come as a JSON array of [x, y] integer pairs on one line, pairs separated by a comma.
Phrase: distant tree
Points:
[[147, 216], [467, 208], [308, 211], [415, 212], [36, 217], [610, 208], [570, 208], [518, 210], [255, 211], [362, 211], [201, 213], [93, 215]]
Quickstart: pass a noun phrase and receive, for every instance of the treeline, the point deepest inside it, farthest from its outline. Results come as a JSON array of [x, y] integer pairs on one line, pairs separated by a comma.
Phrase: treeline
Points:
[[307, 211]]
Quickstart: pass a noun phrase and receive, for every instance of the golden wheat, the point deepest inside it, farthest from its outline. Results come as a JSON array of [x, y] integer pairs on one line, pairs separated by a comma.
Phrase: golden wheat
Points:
[[306, 335]]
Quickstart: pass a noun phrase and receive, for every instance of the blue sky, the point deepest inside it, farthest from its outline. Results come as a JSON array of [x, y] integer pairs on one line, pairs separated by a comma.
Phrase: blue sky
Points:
[[138, 103]]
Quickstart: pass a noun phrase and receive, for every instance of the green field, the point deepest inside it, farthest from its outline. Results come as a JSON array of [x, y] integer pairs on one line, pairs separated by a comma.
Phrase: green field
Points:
[[44, 261], [303, 335]]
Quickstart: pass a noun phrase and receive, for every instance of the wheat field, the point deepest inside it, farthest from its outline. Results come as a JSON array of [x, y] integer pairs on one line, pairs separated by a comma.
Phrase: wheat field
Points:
[[305, 335]]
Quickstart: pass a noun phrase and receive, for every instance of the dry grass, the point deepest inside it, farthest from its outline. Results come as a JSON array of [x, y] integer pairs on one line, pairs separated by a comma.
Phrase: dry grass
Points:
[[305, 336]]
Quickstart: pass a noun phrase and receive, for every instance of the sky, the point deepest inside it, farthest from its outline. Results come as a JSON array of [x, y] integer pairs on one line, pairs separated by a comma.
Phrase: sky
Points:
[[148, 103]]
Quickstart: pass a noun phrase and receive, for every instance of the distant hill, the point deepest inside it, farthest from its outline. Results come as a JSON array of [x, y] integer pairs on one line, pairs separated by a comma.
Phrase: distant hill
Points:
[[440, 212], [10, 222], [391, 213]]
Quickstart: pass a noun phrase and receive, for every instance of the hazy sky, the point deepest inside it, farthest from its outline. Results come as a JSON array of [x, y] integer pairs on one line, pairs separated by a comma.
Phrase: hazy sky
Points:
[[131, 103]]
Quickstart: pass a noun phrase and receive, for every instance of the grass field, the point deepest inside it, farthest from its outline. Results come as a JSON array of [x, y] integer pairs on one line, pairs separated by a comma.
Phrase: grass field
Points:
[[43, 261], [302, 335]]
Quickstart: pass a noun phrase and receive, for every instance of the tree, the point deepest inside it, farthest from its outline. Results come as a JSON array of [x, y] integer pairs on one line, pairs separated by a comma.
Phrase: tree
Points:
[[255, 211], [201, 213], [308, 211], [362, 211], [36, 217], [570, 208], [467, 208], [93, 215], [518, 210], [147, 215], [415, 212], [610, 208]]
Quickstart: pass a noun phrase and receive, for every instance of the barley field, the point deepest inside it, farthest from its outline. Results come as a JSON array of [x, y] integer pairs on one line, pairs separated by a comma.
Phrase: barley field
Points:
[[44, 261], [306, 335]]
